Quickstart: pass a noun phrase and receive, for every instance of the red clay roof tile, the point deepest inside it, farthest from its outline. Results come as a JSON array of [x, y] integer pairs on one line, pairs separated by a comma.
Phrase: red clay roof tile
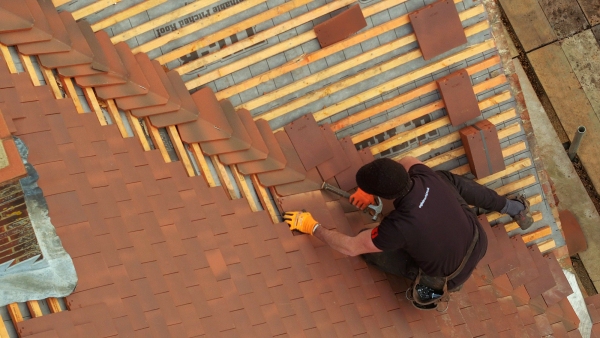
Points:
[[258, 149], [174, 102], [459, 97], [340, 26], [538, 305], [181, 264], [117, 186], [570, 318], [187, 112], [135, 271], [191, 322], [5, 78], [509, 258], [211, 123], [69, 113], [294, 170], [210, 111], [543, 325], [482, 147], [308, 140], [25, 91], [445, 33], [65, 209], [15, 17], [143, 248], [347, 178], [39, 31], [527, 270], [60, 41], [34, 122], [275, 160], [558, 329], [526, 315], [157, 325], [136, 83], [170, 193], [94, 217], [108, 250], [574, 236], [78, 239], [312, 182], [179, 176], [166, 262], [83, 144], [92, 272], [562, 288], [145, 294], [338, 162], [135, 313], [541, 284], [104, 156], [99, 63], [157, 94], [88, 123], [507, 305], [80, 53], [58, 129]]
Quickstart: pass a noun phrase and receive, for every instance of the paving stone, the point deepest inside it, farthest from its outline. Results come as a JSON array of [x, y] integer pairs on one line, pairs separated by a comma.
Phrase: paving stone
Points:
[[529, 23], [566, 17]]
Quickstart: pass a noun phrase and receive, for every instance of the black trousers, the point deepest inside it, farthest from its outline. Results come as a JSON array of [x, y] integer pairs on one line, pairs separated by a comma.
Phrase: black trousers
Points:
[[467, 192]]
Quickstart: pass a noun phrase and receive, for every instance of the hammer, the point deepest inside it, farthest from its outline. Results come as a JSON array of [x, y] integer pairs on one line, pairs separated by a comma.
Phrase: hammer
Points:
[[376, 208]]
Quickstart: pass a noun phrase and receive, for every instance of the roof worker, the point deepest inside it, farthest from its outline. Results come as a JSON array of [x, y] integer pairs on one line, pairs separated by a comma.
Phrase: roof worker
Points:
[[432, 234]]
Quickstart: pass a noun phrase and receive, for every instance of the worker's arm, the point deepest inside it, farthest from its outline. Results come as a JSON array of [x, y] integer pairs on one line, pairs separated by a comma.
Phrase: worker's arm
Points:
[[351, 246], [409, 161]]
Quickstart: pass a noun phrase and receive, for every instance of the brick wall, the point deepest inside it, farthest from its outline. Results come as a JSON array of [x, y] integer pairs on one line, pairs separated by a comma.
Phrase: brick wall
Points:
[[17, 238]]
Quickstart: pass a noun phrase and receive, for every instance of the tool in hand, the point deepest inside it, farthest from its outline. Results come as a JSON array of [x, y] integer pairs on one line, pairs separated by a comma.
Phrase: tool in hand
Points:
[[375, 208]]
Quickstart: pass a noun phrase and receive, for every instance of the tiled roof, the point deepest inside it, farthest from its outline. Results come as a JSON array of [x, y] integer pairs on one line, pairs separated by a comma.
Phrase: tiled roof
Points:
[[158, 252]]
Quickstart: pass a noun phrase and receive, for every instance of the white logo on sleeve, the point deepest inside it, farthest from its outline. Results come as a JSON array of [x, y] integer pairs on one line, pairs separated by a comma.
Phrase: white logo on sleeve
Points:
[[424, 198]]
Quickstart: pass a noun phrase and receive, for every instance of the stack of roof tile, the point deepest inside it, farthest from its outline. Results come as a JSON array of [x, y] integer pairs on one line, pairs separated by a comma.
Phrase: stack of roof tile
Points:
[[159, 253]]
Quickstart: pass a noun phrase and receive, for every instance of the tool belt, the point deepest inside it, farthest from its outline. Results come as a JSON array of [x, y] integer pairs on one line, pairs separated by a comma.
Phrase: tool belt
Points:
[[427, 292]]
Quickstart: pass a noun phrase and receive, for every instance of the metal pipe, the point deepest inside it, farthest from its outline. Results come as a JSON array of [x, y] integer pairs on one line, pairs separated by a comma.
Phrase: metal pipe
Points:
[[576, 142]]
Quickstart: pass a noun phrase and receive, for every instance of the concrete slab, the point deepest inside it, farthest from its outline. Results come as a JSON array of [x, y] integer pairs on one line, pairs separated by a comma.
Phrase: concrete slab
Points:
[[529, 23], [591, 9], [570, 103], [565, 16], [583, 52], [596, 31], [569, 189]]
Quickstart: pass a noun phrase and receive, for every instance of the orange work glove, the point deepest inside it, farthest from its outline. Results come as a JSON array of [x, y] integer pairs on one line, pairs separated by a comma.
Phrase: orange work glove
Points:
[[301, 221], [361, 199]]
